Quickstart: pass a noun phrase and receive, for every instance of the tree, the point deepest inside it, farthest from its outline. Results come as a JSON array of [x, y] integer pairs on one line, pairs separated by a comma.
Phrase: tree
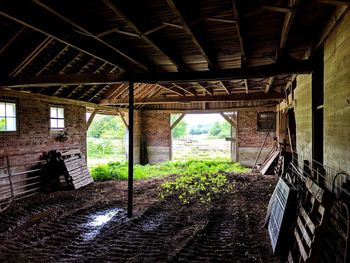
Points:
[[180, 129], [106, 126], [215, 129]]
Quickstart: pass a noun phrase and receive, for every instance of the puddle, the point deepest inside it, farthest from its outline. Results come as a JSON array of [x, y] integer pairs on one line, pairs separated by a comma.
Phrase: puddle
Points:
[[98, 221], [152, 223]]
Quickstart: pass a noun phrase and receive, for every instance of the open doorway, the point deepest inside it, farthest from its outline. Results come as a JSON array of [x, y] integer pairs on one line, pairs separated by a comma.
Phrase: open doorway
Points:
[[106, 140], [202, 136]]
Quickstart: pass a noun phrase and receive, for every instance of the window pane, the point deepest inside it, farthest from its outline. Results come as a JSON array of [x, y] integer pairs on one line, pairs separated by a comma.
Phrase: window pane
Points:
[[11, 124], [2, 124], [2, 109], [60, 113], [53, 123], [53, 112], [60, 123], [10, 109]]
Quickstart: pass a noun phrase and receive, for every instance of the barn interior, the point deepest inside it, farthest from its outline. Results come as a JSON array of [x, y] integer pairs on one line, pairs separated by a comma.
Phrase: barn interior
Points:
[[282, 66]]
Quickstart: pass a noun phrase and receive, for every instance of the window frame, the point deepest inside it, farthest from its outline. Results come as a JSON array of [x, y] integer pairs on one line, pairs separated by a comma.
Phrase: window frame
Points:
[[267, 121], [14, 101], [58, 129]]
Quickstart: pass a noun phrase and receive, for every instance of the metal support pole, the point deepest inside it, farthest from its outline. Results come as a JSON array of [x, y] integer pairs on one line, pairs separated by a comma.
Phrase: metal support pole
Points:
[[131, 148]]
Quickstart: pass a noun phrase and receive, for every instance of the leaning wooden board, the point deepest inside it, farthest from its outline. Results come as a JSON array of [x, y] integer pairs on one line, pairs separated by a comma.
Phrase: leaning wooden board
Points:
[[77, 172]]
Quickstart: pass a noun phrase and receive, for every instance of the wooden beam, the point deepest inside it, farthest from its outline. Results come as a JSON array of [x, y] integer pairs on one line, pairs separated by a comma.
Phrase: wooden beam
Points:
[[335, 2], [288, 20], [287, 67], [336, 18], [172, 88], [239, 31], [91, 118], [123, 119], [189, 90], [220, 20], [31, 56], [208, 90], [56, 100], [188, 30], [189, 99], [225, 88], [87, 32], [279, 9], [12, 39], [147, 39], [229, 120], [177, 121], [54, 35], [269, 84], [246, 86]]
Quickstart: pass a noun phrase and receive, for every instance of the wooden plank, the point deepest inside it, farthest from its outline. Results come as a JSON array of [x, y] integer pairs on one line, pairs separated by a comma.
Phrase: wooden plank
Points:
[[301, 246], [221, 98], [91, 118], [304, 233], [307, 220], [265, 167], [229, 120], [315, 190]]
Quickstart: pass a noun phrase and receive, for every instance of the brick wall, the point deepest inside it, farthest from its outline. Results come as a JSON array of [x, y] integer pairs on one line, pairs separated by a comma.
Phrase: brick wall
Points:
[[249, 139], [33, 135], [156, 132]]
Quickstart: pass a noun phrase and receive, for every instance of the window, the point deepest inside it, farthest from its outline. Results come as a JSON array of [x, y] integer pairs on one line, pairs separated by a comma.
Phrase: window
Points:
[[264, 121], [56, 118], [8, 120]]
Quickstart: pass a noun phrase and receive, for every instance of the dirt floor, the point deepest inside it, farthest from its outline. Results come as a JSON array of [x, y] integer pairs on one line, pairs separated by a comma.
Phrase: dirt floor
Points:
[[90, 225]]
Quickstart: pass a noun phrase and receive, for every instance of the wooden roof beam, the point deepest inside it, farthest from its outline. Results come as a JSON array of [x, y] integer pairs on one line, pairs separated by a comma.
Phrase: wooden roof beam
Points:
[[188, 99], [227, 90], [147, 39], [269, 84], [206, 89], [335, 2], [85, 31], [191, 91], [188, 30], [172, 88], [280, 68], [12, 39]]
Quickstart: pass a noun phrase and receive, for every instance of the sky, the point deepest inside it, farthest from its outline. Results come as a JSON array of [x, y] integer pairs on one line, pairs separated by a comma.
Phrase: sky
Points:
[[195, 119]]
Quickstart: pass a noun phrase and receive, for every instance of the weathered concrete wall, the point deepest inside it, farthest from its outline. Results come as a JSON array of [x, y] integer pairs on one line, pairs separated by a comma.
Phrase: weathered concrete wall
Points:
[[156, 132], [337, 98], [33, 136], [250, 140], [303, 116]]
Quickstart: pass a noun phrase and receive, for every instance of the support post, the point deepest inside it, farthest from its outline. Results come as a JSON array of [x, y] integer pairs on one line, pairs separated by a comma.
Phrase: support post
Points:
[[131, 149]]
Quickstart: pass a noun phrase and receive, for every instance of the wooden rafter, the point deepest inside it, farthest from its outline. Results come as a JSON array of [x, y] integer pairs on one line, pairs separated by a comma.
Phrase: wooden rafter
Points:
[[189, 90], [87, 32], [31, 56], [188, 99], [147, 39], [206, 89], [239, 31], [288, 67], [12, 39], [335, 2], [172, 88], [189, 31], [53, 35], [227, 90], [269, 84]]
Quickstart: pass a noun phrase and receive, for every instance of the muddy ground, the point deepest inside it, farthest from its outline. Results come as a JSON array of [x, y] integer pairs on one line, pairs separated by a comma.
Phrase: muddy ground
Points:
[[90, 225]]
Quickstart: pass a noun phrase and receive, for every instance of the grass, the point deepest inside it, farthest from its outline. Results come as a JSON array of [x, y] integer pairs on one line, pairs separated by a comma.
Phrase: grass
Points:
[[119, 170]]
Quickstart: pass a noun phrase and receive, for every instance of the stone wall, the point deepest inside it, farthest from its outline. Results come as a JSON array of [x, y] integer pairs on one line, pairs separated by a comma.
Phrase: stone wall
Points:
[[337, 98]]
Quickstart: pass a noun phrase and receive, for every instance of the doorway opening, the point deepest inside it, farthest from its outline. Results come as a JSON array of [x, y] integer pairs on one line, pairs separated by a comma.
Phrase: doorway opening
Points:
[[106, 140], [202, 136]]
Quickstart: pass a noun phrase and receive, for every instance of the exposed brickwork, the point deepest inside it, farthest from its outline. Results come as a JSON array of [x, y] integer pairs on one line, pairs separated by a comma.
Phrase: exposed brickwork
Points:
[[248, 136], [156, 128], [33, 136]]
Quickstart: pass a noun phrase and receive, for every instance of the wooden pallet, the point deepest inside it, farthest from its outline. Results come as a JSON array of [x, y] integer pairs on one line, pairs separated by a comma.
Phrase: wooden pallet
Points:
[[77, 174], [310, 225]]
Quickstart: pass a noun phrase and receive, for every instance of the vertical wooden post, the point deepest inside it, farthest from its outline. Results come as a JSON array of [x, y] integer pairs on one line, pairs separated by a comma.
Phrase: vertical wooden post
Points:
[[131, 148]]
